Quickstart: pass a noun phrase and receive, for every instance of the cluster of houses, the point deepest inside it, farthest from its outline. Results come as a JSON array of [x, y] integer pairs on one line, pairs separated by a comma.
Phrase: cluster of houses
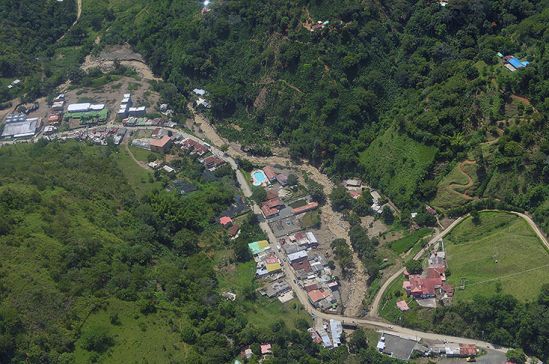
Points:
[[512, 63], [327, 333], [201, 101], [127, 108], [402, 347], [355, 187], [311, 270], [98, 135], [265, 351], [210, 161], [430, 286], [275, 183]]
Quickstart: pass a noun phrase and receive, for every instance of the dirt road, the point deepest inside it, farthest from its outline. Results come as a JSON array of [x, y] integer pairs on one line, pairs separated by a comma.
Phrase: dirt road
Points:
[[78, 15], [377, 300], [333, 221]]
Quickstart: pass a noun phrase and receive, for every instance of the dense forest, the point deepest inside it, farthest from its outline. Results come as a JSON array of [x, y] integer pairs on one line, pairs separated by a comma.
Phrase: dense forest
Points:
[[30, 28], [77, 242], [414, 84]]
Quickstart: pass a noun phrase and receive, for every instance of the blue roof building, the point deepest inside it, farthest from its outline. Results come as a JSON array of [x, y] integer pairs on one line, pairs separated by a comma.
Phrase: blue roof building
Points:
[[515, 62]]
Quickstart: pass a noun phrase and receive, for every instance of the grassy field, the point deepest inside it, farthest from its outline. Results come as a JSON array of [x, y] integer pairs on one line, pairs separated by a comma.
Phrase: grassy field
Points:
[[407, 242], [262, 312], [398, 163], [139, 178], [453, 185], [136, 337], [502, 253]]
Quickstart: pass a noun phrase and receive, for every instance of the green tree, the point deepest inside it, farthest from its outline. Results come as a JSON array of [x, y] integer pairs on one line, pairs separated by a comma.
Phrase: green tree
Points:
[[516, 356], [414, 266], [340, 198], [259, 194], [387, 215], [97, 338]]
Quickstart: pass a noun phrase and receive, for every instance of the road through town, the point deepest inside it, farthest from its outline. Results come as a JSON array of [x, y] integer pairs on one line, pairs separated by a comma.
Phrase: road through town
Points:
[[374, 323]]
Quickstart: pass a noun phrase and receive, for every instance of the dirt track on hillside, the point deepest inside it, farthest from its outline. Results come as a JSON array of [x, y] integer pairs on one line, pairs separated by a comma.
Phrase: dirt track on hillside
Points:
[[453, 187]]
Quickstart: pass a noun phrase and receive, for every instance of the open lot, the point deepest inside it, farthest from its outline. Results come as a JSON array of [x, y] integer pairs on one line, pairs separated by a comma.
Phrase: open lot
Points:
[[501, 253], [136, 336]]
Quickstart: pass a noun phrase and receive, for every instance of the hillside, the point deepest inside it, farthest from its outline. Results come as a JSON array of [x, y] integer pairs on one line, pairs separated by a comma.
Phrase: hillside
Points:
[[328, 93], [92, 273]]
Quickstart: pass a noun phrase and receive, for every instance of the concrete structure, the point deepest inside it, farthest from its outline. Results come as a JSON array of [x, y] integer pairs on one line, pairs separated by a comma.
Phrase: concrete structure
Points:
[[161, 145], [20, 127]]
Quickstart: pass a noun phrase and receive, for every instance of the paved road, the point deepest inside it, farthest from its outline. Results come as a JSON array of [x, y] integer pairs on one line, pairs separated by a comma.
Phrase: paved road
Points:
[[373, 323]]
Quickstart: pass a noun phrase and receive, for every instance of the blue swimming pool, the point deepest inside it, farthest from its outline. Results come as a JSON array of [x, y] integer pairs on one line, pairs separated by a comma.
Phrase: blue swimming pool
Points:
[[258, 177]]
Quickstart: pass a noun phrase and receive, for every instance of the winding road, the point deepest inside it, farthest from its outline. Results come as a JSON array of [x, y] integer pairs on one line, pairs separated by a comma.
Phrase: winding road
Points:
[[374, 322]]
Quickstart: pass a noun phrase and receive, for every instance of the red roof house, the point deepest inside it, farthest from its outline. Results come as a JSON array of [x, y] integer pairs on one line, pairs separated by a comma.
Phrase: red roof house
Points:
[[270, 173], [266, 349], [467, 350], [213, 162], [161, 145], [225, 221], [308, 207], [234, 230]]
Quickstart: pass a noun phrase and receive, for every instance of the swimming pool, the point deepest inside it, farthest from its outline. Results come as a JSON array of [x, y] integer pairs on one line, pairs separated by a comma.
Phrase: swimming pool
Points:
[[258, 177]]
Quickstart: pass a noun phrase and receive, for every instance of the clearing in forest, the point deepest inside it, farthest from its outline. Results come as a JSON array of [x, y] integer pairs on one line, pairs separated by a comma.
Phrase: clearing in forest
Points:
[[398, 164], [455, 188], [501, 253]]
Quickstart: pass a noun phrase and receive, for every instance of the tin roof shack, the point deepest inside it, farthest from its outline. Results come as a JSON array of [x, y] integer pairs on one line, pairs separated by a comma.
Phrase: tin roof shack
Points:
[[161, 145], [336, 329]]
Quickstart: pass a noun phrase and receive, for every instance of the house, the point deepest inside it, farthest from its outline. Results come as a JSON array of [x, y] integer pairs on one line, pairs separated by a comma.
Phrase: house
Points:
[[270, 208], [159, 133], [201, 102], [225, 221], [258, 247], [199, 91], [194, 147], [266, 349], [282, 179], [161, 145], [137, 111], [298, 256], [238, 207], [402, 305], [58, 105], [155, 164], [428, 284], [82, 107], [247, 353], [317, 295], [336, 329], [308, 207], [54, 118], [234, 231], [212, 162], [467, 350], [270, 173], [168, 169], [313, 242], [512, 63], [353, 183]]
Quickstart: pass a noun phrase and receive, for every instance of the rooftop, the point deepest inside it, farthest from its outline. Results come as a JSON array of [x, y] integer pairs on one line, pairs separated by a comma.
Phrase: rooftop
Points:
[[160, 143]]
